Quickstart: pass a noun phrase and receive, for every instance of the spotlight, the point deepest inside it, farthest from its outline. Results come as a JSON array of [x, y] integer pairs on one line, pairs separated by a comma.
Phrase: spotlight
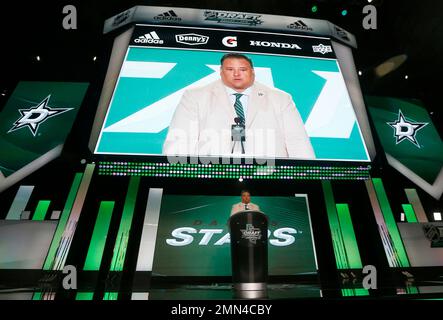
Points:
[[240, 179], [314, 9], [437, 216], [406, 77], [95, 58], [37, 58], [360, 73], [344, 12], [390, 65]]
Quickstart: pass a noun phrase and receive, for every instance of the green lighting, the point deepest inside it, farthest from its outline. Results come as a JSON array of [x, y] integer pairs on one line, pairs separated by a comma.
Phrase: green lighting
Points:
[[110, 296], [37, 296], [391, 224], [344, 12], [41, 210], [409, 213], [62, 222], [354, 292], [118, 258], [99, 235], [121, 243], [334, 225], [228, 171], [350, 242], [314, 8], [84, 296]]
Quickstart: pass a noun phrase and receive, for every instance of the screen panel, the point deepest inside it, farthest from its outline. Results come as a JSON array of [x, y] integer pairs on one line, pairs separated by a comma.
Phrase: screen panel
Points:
[[157, 71], [194, 230], [24, 244]]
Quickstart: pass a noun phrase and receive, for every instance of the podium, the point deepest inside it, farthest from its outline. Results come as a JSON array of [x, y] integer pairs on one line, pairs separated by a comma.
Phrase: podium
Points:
[[249, 253]]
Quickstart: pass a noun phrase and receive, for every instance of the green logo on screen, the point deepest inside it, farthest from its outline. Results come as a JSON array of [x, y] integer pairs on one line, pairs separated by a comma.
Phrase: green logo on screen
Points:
[[34, 116], [406, 130]]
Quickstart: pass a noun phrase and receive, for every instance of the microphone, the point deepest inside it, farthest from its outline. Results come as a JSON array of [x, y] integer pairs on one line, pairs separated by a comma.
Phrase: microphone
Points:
[[238, 134]]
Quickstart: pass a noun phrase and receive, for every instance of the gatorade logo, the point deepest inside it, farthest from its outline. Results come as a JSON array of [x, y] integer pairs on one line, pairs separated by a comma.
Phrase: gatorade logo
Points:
[[230, 41]]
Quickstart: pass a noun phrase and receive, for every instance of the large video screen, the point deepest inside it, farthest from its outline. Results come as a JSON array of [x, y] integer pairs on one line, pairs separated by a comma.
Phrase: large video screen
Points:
[[171, 99], [193, 236]]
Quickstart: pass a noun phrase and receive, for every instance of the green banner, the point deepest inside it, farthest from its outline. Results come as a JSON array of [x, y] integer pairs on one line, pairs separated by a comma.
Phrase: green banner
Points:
[[410, 140], [193, 236], [36, 120]]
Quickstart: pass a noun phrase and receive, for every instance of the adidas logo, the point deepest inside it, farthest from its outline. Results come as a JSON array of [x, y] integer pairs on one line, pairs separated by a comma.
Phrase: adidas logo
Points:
[[168, 16], [299, 25], [151, 38]]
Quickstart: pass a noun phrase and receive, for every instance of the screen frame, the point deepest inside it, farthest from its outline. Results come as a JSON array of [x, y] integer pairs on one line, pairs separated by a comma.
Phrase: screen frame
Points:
[[347, 69]]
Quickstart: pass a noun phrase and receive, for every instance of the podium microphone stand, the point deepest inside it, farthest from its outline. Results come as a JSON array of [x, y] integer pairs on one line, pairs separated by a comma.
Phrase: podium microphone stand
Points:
[[249, 254], [238, 134]]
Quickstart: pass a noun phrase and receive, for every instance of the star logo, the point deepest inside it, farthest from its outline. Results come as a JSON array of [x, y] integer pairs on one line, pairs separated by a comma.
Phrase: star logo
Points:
[[406, 130], [33, 117]]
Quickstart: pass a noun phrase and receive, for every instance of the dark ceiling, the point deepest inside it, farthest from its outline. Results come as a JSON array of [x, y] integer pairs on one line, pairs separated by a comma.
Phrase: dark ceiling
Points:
[[410, 27]]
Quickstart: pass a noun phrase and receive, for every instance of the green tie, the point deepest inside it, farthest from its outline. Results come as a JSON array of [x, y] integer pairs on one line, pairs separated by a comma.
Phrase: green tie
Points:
[[239, 107]]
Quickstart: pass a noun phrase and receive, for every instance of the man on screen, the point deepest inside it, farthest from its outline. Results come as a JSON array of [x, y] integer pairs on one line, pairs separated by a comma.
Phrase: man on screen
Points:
[[203, 120], [245, 203]]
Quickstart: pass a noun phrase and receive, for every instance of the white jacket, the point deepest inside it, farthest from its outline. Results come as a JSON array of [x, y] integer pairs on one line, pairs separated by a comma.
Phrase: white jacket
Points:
[[243, 206], [201, 124]]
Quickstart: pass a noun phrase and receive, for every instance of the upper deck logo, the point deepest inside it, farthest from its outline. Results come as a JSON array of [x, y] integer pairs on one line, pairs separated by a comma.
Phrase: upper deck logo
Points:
[[321, 48]]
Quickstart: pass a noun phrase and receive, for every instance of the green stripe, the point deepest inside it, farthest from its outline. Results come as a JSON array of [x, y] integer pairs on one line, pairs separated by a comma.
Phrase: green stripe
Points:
[[391, 224], [412, 290], [361, 292], [354, 292], [99, 235], [121, 242], [37, 296], [84, 296], [334, 225], [110, 296], [347, 231], [409, 213], [62, 222], [41, 210]]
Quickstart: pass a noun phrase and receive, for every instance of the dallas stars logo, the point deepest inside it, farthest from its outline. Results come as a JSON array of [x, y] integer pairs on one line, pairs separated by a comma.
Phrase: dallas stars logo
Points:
[[404, 129], [35, 116]]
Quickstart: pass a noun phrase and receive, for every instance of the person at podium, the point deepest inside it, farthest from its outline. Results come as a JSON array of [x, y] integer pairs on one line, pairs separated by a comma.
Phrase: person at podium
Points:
[[245, 203]]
